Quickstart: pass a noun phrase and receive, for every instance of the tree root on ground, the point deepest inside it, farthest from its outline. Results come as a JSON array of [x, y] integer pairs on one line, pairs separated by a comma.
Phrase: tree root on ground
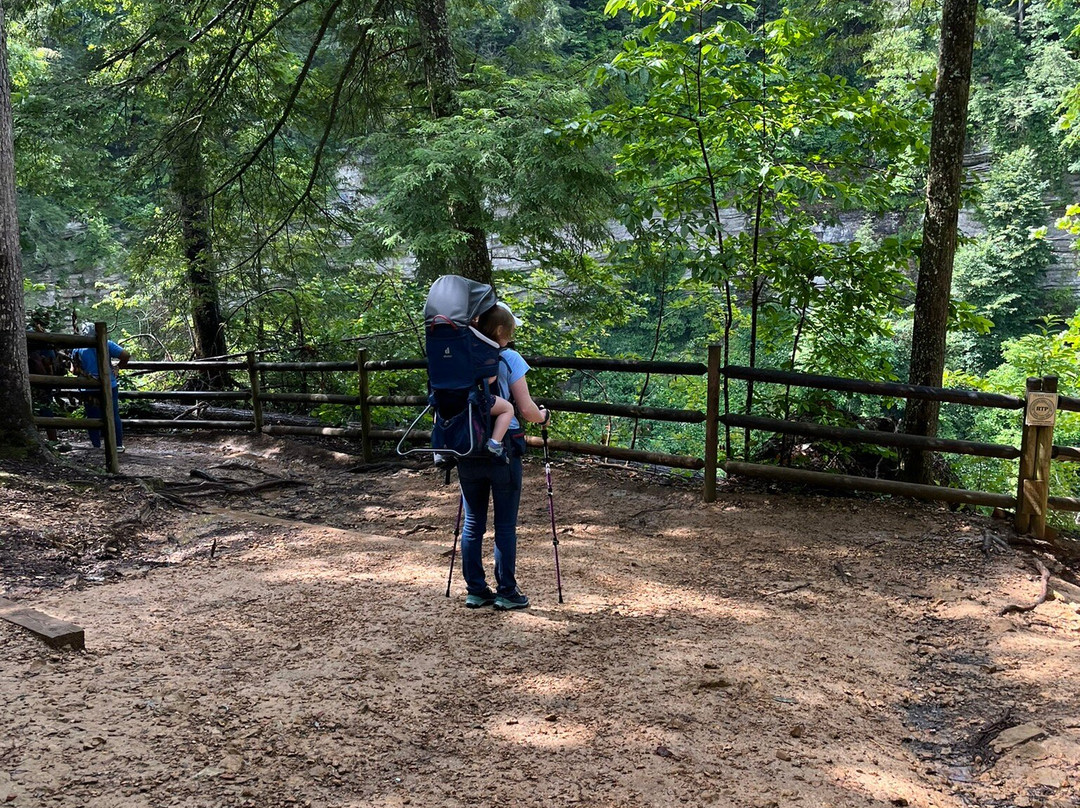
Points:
[[1045, 573]]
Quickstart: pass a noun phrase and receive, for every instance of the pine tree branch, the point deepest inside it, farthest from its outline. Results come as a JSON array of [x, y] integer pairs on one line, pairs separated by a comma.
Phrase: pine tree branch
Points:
[[289, 103]]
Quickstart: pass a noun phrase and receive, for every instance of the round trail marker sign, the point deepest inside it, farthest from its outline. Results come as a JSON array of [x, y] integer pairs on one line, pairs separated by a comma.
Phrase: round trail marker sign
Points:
[[1041, 409]]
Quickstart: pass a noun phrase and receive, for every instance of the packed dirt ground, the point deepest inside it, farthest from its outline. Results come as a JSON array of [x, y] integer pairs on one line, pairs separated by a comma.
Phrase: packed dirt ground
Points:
[[272, 630]]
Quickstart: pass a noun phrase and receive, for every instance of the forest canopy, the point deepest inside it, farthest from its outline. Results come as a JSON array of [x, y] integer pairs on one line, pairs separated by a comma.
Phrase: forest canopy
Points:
[[641, 180]]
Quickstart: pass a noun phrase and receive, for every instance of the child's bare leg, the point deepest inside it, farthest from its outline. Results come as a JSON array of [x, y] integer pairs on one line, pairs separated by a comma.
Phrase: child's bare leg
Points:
[[503, 411]]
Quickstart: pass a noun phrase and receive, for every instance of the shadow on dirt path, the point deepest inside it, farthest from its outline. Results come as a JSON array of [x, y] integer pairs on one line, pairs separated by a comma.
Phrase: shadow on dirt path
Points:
[[255, 644]]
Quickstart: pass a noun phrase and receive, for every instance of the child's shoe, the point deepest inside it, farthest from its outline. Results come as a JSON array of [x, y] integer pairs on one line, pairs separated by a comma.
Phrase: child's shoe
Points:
[[497, 449]]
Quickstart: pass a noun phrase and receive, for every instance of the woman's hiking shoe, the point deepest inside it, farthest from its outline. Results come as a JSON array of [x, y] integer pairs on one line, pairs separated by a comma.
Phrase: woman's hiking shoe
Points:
[[480, 601], [505, 603]]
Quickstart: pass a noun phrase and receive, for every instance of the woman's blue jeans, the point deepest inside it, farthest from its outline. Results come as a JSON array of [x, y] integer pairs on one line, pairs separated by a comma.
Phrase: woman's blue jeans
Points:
[[93, 410], [480, 479]]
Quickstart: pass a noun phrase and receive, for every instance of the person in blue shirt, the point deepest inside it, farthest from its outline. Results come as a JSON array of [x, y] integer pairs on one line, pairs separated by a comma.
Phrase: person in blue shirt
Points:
[[85, 362], [493, 477]]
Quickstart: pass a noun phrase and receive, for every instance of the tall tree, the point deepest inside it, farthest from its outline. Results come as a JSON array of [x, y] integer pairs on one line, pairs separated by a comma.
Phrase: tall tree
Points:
[[17, 421], [471, 258], [932, 295], [189, 184]]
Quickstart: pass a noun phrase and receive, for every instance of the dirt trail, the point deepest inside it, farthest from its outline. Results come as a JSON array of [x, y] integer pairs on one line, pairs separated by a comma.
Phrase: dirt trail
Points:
[[766, 650]]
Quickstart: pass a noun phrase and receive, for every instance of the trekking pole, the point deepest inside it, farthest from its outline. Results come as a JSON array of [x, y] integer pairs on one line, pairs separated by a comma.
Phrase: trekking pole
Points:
[[551, 509], [453, 551]]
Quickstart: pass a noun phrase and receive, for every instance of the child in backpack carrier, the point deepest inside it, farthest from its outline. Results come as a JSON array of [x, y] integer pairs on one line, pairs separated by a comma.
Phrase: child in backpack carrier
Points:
[[498, 326]]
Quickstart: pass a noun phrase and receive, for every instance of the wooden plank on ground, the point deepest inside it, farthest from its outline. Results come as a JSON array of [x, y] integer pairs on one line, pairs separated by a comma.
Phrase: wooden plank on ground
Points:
[[56, 633]]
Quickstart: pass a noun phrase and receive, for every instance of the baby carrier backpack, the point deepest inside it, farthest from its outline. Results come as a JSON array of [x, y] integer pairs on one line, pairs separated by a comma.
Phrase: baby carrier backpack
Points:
[[460, 360]]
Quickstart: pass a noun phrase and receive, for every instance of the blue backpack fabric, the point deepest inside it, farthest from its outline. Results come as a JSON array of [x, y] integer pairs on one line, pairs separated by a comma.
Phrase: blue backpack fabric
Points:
[[460, 360]]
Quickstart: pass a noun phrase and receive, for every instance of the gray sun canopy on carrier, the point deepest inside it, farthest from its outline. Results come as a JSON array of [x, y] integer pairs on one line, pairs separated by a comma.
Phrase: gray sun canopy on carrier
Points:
[[458, 299], [460, 361]]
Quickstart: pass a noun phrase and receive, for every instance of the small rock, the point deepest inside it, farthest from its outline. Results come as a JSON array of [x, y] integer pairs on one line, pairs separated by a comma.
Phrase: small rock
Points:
[[797, 731], [1051, 778], [782, 755], [1014, 736]]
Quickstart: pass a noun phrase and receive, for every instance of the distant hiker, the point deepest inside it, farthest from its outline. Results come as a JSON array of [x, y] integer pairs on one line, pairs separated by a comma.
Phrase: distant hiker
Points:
[[85, 362], [43, 361], [482, 478]]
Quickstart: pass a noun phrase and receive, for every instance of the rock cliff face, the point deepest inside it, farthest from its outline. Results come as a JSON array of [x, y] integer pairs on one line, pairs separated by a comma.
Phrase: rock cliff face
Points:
[[81, 288], [1065, 271], [71, 289]]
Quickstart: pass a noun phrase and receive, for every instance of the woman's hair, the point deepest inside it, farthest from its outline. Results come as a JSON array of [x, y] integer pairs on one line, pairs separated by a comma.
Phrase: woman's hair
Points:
[[496, 322]]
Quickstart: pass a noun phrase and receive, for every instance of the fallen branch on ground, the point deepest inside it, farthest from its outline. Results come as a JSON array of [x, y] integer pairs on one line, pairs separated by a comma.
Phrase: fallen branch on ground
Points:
[[786, 591], [653, 510], [240, 466], [387, 465], [992, 542], [206, 487]]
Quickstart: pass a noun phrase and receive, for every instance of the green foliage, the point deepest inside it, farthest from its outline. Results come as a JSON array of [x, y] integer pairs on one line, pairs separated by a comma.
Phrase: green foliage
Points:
[[741, 147], [1000, 274], [1053, 350], [541, 193], [1021, 76]]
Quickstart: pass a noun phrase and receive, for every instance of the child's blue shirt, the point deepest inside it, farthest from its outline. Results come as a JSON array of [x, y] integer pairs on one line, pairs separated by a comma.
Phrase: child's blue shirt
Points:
[[512, 368]]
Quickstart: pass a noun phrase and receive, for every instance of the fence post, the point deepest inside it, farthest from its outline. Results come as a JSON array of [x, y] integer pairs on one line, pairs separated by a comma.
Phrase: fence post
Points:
[[256, 402], [1036, 448], [108, 406], [365, 408], [1044, 446], [1027, 460], [712, 421]]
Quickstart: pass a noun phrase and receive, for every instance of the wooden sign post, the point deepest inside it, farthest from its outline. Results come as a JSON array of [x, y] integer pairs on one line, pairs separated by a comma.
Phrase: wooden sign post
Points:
[[1036, 447]]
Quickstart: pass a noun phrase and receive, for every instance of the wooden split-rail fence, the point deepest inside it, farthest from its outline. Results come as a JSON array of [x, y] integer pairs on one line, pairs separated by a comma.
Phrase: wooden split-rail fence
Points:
[[101, 387], [1031, 501]]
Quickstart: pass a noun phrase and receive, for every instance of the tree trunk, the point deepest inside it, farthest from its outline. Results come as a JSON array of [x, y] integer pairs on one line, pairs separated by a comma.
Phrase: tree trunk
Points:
[[437, 52], [189, 185], [471, 258], [17, 433], [939, 227]]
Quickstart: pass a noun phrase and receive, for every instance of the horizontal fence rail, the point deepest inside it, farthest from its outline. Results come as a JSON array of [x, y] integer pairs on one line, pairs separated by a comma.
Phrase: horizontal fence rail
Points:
[[186, 395], [583, 407], [1031, 502], [851, 482], [888, 389], [192, 365], [875, 437]]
